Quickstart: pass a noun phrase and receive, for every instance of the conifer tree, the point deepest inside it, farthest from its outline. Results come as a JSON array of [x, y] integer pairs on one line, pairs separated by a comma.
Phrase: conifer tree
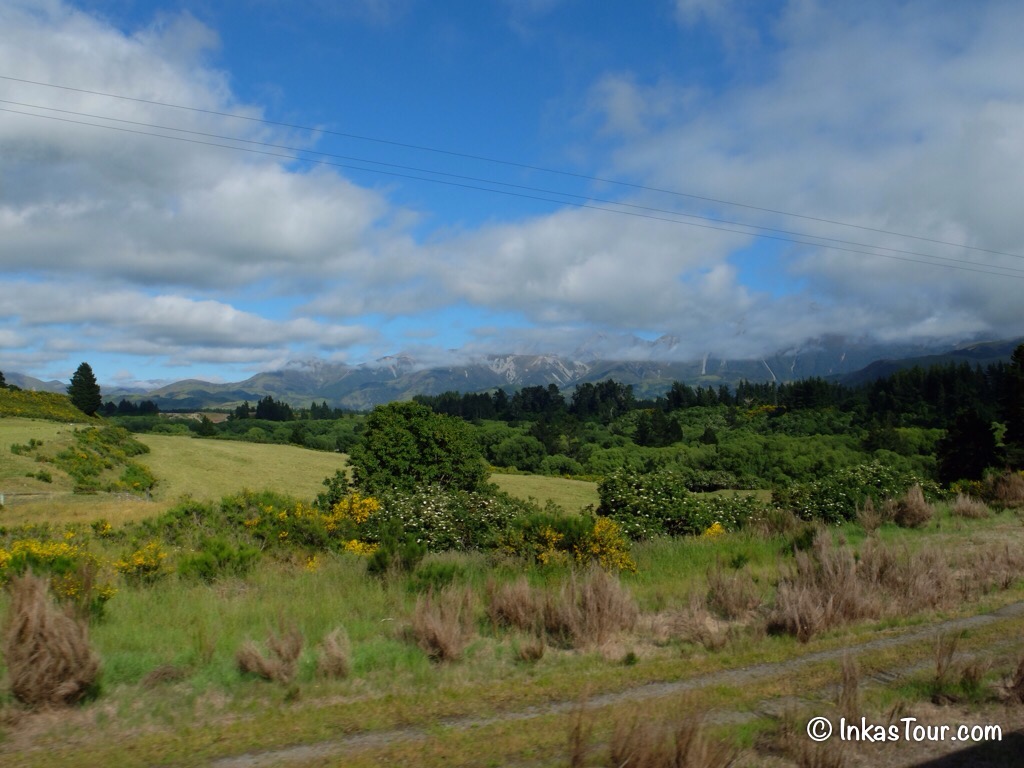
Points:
[[84, 391]]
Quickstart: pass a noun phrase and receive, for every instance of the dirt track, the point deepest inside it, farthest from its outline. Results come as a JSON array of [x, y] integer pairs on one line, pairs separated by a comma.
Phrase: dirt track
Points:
[[300, 754]]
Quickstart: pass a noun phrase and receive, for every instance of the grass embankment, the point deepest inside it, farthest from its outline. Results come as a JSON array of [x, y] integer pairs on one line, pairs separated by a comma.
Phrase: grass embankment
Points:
[[41, 405]]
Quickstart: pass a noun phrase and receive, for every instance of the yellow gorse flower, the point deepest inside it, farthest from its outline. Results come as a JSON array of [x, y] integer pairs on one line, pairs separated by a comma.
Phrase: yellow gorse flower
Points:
[[714, 530]]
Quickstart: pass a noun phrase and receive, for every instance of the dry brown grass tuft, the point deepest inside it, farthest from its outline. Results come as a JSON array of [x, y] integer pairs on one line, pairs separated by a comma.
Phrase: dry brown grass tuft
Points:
[[580, 729], [789, 740], [165, 673], [1015, 685], [849, 703], [829, 586], [868, 517], [514, 605], [697, 625], [282, 661], [442, 622], [335, 657], [48, 656], [530, 650], [822, 591], [586, 611], [646, 742], [776, 521], [913, 511], [732, 595], [968, 506], [1008, 489]]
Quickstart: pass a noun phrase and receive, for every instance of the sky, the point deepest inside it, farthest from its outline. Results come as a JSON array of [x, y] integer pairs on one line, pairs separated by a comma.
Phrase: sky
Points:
[[208, 189]]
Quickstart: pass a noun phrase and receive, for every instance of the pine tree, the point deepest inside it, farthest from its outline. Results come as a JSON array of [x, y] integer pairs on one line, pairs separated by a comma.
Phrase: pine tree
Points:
[[84, 391]]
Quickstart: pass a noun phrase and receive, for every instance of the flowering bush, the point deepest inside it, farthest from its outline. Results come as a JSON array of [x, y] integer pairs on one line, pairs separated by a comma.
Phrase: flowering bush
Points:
[[838, 495], [446, 519], [548, 538], [657, 504], [73, 571], [143, 566]]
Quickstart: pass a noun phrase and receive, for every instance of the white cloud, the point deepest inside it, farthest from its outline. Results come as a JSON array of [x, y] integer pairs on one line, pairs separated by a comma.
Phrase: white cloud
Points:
[[88, 200]]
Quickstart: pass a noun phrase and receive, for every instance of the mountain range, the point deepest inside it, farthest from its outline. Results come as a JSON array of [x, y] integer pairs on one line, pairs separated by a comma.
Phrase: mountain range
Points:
[[400, 377]]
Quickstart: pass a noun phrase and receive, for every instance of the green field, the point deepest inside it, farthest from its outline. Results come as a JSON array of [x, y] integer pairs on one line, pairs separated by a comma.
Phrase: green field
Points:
[[205, 470], [211, 469], [570, 495]]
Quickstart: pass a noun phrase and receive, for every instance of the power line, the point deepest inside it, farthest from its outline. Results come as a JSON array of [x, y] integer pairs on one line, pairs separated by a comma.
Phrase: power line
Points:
[[510, 163], [1007, 271], [477, 179]]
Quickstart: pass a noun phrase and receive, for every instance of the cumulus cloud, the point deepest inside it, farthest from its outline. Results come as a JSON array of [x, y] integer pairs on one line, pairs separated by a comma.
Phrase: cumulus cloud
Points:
[[97, 201]]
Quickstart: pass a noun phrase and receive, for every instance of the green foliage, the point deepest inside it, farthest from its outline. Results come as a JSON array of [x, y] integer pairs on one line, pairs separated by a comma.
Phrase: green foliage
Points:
[[84, 391], [96, 452], [397, 550], [136, 477], [217, 558], [143, 566], [559, 465], [406, 446], [656, 504], [837, 496], [445, 519], [522, 452], [553, 538], [435, 576]]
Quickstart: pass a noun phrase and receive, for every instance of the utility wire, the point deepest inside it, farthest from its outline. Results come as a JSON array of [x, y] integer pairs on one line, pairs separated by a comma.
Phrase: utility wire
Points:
[[1007, 271], [509, 163], [476, 179]]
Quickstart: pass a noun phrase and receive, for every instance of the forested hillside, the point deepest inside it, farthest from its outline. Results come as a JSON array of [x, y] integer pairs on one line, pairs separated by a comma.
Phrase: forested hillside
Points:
[[942, 423]]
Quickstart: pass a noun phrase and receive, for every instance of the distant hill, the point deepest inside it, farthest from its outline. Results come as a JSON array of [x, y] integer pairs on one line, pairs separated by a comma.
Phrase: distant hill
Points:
[[400, 377], [982, 353], [37, 385]]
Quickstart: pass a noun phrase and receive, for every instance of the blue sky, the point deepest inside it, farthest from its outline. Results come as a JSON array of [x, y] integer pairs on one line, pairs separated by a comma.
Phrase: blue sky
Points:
[[891, 129]]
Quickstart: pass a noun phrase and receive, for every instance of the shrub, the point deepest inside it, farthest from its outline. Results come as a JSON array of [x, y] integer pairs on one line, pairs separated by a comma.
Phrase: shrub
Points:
[[217, 558], [406, 446], [731, 595], [549, 538], [49, 660], [654, 504], [397, 551], [446, 519], [442, 623], [829, 586], [434, 576], [72, 570], [143, 566], [1008, 489], [837, 496]]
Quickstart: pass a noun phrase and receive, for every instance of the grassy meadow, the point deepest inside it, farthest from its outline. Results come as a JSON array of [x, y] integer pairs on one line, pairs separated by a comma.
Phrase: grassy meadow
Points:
[[689, 635]]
